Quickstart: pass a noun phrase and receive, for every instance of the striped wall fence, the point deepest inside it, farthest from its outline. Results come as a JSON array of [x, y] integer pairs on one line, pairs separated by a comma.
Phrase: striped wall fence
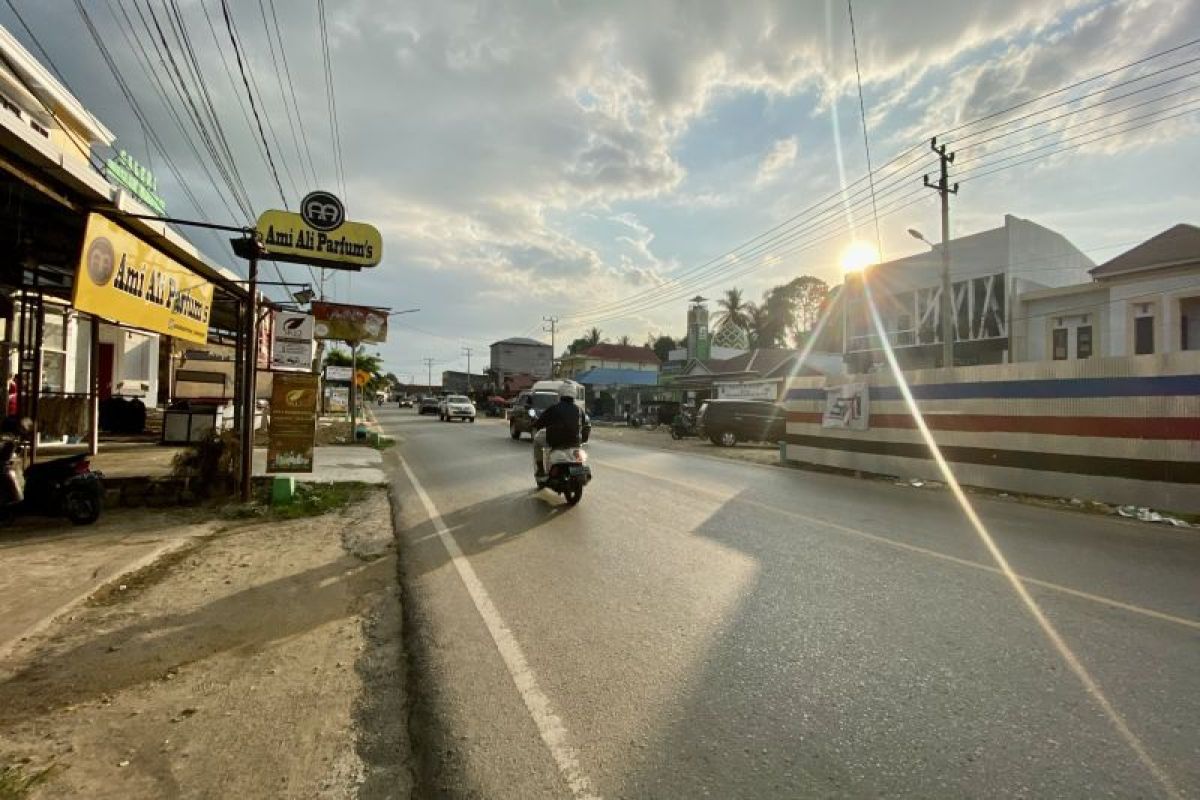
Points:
[[1119, 430]]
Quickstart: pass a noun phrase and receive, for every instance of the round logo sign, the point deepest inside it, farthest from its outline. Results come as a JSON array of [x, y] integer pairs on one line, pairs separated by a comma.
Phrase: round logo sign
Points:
[[322, 210], [101, 261]]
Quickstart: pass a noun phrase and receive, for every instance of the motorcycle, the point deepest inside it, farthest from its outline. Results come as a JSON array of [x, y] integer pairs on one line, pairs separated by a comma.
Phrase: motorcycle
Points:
[[564, 469], [683, 426], [61, 487]]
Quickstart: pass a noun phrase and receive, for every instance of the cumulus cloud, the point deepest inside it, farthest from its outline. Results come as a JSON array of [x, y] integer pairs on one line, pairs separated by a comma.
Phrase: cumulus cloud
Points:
[[474, 132], [777, 161]]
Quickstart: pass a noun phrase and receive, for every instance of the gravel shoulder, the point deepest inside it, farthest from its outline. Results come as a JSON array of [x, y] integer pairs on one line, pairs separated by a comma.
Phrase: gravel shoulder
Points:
[[264, 661]]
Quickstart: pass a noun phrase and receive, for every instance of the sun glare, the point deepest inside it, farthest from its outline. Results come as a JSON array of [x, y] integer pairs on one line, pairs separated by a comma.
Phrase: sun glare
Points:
[[858, 256]]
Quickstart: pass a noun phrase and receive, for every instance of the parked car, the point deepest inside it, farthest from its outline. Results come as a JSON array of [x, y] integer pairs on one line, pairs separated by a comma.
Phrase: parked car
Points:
[[525, 409], [427, 405], [456, 406], [727, 422]]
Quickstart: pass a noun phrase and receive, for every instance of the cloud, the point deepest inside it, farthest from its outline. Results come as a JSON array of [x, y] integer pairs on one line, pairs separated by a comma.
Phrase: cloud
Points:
[[475, 134], [778, 159]]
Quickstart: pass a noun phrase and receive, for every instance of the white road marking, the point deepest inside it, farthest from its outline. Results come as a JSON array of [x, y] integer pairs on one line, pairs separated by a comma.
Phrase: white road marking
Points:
[[550, 726]]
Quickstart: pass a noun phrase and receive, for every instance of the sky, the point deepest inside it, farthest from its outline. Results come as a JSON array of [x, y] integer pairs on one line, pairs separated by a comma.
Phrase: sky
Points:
[[597, 161]]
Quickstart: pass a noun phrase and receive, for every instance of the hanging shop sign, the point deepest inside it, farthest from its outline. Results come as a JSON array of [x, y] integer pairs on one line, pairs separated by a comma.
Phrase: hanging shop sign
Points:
[[293, 422], [291, 342], [319, 235], [349, 323], [339, 374], [124, 279], [847, 406]]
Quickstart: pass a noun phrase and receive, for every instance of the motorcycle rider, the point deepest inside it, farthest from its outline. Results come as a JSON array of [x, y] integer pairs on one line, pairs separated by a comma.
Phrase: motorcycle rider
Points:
[[561, 425]]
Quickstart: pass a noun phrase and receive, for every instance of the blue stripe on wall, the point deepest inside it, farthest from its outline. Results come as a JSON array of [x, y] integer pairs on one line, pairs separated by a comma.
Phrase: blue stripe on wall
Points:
[[1165, 385]]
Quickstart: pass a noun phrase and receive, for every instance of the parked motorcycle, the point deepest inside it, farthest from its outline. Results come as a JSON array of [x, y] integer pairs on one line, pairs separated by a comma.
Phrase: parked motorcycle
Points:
[[683, 426], [566, 469], [61, 487]]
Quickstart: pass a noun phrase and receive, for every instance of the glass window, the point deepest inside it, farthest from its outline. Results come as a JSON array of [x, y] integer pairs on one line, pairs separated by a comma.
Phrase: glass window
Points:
[[1060, 344], [1083, 341], [1143, 336]]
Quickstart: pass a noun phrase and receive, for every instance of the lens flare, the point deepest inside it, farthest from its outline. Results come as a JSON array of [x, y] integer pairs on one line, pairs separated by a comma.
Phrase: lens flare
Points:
[[1051, 633], [858, 256]]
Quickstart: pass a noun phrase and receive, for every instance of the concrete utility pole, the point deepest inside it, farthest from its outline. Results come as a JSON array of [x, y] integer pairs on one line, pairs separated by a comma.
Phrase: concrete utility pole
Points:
[[553, 327], [429, 366], [467, 353], [944, 189]]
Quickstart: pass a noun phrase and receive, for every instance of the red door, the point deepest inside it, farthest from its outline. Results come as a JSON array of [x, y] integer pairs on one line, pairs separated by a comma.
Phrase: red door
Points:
[[106, 371]]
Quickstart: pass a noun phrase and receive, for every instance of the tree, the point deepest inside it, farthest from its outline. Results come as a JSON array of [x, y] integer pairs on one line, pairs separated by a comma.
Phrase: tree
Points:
[[625, 341], [735, 308], [662, 347], [809, 296], [593, 337], [760, 323], [371, 363]]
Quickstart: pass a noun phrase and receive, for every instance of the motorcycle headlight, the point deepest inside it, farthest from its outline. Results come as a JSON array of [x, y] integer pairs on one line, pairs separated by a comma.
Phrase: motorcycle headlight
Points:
[[532, 413]]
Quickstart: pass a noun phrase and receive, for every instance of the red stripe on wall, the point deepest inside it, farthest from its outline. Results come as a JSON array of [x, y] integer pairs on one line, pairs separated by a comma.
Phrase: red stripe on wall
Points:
[[1111, 427]]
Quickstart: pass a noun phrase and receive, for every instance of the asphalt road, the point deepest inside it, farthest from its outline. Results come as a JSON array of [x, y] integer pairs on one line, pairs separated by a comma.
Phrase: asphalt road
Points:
[[706, 628]]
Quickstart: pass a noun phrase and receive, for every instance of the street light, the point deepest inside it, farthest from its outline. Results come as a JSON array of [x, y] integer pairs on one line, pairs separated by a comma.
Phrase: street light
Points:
[[947, 303]]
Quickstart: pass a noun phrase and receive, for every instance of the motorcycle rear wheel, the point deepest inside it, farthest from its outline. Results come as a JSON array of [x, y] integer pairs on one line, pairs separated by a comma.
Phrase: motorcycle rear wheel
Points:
[[574, 493], [83, 508]]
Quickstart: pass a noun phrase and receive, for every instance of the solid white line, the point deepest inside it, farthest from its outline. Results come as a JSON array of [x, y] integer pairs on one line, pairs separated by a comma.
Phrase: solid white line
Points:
[[551, 728]]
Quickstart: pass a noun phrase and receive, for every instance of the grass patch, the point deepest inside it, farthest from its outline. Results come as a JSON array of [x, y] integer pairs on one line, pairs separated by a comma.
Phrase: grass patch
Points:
[[16, 782], [383, 443], [310, 500]]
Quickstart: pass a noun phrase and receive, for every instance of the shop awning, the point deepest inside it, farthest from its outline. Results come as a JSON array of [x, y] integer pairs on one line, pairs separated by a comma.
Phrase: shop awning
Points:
[[603, 376]]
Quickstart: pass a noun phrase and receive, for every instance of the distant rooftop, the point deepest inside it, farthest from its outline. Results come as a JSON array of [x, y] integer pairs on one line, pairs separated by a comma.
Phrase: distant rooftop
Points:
[[1174, 246], [520, 340]]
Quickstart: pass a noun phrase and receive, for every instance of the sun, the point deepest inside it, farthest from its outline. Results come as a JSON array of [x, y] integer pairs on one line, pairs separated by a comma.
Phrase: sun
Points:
[[858, 256]]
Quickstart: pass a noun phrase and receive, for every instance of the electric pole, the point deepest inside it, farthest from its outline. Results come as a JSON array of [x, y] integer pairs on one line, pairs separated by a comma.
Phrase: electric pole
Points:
[[944, 189], [467, 353], [553, 353], [429, 366]]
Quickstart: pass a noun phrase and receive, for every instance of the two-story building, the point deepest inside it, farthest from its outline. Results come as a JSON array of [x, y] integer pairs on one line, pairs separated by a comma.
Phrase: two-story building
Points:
[[522, 358], [610, 356], [987, 270], [1142, 302]]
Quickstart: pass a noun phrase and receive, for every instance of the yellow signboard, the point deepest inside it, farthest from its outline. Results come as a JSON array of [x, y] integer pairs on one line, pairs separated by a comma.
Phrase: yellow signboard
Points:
[[289, 237], [124, 279]]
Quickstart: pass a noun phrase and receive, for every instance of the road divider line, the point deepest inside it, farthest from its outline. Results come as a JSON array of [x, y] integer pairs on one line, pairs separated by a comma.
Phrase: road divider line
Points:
[[966, 562], [549, 724]]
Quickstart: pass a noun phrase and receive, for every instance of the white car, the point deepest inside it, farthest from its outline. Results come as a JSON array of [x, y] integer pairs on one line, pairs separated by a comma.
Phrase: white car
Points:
[[456, 406]]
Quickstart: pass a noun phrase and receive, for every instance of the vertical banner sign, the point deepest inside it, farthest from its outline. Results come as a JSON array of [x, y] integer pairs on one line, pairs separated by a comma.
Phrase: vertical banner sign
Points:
[[847, 406], [293, 422], [291, 342]]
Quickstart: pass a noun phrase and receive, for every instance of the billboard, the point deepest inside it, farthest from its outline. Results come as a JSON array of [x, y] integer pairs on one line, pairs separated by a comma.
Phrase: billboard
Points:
[[124, 279], [349, 323], [291, 341]]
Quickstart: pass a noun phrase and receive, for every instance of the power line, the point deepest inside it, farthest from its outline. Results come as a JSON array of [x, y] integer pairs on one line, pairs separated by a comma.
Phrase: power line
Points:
[[262, 8], [292, 88], [1076, 85], [1057, 149], [241, 68], [331, 100], [862, 108]]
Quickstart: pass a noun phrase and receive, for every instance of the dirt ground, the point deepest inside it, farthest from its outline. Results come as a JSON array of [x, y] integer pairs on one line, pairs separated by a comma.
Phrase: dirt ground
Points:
[[263, 661]]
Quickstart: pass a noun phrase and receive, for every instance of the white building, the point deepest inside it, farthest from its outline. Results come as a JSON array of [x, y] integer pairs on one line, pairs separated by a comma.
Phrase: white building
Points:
[[986, 269], [1144, 301]]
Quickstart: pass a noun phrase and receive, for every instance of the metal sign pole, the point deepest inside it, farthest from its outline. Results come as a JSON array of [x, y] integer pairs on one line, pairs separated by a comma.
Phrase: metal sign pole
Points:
[[353, 391], [250, 374]]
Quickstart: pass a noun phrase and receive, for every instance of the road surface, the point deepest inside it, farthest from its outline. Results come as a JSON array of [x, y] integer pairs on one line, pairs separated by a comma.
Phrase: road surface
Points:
[[705, 628]]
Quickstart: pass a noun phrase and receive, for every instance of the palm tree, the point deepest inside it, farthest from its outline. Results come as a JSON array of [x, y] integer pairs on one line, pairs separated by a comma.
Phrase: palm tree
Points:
[[736, 309], [759, 318]]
